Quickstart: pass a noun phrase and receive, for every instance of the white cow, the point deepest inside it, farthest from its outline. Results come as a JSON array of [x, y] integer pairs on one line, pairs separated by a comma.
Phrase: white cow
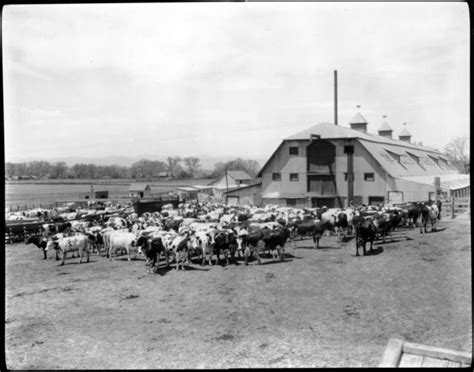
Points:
[[203, 241], [77, 243], [121, 240]]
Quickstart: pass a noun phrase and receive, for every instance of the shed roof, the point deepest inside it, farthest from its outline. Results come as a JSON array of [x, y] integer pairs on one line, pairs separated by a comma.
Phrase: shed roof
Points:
[[238, 175], [447, 181], [187, 188], [139, 187], [244, 187]]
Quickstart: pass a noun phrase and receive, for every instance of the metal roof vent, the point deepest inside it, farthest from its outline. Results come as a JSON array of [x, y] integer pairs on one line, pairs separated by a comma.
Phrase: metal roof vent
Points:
[[405, 136], [385, 130], [359, 123]]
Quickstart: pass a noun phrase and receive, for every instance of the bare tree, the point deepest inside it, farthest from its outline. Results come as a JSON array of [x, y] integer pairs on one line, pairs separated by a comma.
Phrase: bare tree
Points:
[[457, 152], [192, 164], [171, 164], [250, 166]]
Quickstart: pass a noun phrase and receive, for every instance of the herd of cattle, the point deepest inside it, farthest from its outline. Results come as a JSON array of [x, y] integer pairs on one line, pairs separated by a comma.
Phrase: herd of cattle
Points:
[[219, 233]]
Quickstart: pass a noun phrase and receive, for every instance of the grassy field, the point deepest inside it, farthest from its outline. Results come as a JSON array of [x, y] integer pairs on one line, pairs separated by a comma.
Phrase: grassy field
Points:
[[318, 308], [36, 193]]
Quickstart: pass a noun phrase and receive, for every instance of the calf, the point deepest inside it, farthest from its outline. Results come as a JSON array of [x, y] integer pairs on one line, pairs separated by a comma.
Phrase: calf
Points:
[[414, 212], [249, 243], [181, 246], [225, 242], [365, 232], [341, 224], [77, 243], [41, 243], [275, 241], [152, 248], [202, 241], [314, 228], [429, 213], [121, 240]]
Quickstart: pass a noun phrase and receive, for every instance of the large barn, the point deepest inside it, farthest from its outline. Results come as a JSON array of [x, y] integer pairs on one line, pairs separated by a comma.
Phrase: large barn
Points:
[[333, 165]]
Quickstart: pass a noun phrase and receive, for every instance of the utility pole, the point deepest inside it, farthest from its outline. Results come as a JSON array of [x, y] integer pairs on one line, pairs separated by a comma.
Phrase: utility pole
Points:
[[335, 97], [226, 184]]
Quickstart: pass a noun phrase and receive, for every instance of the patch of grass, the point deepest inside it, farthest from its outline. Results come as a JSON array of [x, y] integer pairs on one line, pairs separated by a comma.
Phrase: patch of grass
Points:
[[225, 337], [129, 297], [276, 360], [164, 320], [269, 276]]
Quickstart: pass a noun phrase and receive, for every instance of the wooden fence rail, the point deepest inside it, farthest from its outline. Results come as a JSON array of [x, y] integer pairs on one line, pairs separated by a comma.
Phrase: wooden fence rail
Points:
[[455, 206]]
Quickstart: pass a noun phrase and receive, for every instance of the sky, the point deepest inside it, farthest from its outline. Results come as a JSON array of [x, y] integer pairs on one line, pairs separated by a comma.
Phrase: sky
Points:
[[227, 79]]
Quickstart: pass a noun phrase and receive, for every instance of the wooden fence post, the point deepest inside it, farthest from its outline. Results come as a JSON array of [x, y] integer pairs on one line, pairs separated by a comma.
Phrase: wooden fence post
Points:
[[452, 208]]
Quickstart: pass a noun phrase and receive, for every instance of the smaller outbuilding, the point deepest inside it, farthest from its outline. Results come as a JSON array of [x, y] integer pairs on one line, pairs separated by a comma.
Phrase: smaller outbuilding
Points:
[[139, 190], [245, 195], [231, 179]]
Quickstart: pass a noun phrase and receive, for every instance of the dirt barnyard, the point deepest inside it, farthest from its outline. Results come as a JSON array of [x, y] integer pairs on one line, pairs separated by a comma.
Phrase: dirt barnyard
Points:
[[318, 308]]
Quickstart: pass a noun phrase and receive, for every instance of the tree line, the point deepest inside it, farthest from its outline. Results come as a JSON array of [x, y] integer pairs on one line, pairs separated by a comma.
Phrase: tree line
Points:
[[173, 167]]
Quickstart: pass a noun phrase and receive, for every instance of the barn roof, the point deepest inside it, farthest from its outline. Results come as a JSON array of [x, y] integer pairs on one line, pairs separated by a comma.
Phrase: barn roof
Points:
[[329, 130], [378, 147]]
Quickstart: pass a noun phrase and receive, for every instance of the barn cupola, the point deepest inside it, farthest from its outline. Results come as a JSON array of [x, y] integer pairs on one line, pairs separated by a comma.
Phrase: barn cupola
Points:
[[359, 123], [385, 130], [405, 136]]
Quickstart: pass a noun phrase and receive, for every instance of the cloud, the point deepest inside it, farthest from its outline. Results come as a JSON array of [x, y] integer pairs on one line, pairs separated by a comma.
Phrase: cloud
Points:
[[238, 77]]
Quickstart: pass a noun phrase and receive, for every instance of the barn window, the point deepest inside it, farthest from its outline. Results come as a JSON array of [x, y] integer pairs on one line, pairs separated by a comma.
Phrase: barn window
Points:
[[376, 200], [348, 149], [434, 159], [369, 177], [276, 176], [294, 177], [293, 150], [291, 202], [396, 157]]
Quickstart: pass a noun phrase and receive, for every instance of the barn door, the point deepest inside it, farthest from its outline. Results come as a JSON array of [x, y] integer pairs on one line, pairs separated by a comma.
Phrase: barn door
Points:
[[321, 184]]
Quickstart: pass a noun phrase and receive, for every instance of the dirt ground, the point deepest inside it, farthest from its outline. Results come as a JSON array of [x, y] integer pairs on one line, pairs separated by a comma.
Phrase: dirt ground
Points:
[[318, 308]]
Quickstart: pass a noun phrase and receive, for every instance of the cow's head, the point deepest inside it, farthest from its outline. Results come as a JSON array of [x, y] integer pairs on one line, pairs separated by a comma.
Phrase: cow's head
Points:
[[52, 244]]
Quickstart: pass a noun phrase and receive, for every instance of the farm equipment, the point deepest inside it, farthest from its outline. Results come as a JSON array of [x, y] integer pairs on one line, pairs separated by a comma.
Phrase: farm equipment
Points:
[[154, 204]]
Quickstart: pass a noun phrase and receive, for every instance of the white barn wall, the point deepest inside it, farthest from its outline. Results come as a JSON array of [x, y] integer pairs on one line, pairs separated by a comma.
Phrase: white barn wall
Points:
[[284, 163]]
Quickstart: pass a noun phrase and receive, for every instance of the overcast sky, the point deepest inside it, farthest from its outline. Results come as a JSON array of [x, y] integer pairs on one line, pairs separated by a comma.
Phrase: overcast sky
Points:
[[227, 79]]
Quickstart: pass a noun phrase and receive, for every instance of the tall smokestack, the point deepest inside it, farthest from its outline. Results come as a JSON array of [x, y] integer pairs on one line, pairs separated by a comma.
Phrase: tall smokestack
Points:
[[335, 97]]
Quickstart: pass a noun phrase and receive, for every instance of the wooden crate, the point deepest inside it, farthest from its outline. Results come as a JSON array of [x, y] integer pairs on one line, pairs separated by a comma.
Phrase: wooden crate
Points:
[[400, 353]]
